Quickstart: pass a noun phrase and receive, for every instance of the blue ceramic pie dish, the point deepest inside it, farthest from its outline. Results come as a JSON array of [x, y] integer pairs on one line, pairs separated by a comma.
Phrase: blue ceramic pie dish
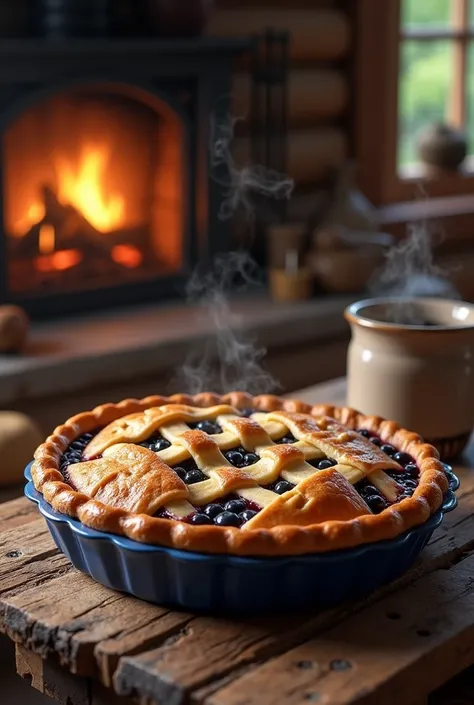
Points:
[[229, 584]]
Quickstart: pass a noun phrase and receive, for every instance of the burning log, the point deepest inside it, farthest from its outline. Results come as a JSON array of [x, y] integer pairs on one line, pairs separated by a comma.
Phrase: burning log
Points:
[[63, 227]]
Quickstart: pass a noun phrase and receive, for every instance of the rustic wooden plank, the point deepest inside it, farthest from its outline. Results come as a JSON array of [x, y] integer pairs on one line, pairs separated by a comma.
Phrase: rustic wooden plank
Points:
[[93, 631], [399, 649], [17, 512], [30, 667], [51, 680], [28, 558], [182, 666], [87, 626]]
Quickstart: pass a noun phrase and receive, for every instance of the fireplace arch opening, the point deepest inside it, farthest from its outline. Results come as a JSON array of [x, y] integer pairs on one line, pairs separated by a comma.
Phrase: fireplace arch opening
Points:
[[94, 191]]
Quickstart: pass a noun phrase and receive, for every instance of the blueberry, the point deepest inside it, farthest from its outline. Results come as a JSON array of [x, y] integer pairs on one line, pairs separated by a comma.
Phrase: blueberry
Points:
[[181, 473], [286, 439], [410, 484], [367, 491], [411, 470], [248, 514], [160, 444], [376, 502], [235, 457], [200, 519], [193, 476], [326, 463], [388, 449], [209, 427], [228, 519], [364, 432], [235, 506], [212, 510], [247, 412], [283, 486], [402, 458], [250, 458], [77, 445], [376, 441]]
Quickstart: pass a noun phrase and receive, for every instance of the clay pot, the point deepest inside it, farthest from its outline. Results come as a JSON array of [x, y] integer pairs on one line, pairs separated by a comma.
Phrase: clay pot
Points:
[[170, 18], [412, 360], [442, 147]]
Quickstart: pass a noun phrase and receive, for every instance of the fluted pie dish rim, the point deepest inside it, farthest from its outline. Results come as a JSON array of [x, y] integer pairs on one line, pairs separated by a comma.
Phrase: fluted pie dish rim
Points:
[[281, 540]]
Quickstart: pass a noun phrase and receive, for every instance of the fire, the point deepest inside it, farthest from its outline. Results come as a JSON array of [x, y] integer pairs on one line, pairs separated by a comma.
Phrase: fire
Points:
[[47, 239], [59, 261], [83, 188]]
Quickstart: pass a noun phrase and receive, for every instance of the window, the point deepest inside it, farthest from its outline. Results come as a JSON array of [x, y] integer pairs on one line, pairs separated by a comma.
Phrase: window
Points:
[[414, 67], [435, 84]]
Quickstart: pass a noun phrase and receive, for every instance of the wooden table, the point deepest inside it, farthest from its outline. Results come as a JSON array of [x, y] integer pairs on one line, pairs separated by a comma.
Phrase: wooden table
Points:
[[83, 644]]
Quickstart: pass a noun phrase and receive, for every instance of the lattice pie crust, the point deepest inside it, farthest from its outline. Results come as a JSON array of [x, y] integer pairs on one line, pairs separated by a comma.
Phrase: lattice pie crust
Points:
[[119, 485]]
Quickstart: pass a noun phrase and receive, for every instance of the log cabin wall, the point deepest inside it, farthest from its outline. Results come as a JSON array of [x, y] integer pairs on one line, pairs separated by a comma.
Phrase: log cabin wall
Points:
[[318, 85]]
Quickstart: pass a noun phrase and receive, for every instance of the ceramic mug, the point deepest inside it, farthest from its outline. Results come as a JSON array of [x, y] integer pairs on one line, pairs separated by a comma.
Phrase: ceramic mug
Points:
[[412, 360]]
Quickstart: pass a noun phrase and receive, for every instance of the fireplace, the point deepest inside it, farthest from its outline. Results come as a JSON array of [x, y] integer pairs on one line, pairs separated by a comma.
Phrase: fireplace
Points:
[[107, 192]]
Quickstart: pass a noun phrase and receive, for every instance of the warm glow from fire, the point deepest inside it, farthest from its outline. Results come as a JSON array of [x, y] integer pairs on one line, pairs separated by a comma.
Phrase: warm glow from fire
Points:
[[127, 255], [47, 239], [59, 261], [94, 191], [83, 188], [34, 214]]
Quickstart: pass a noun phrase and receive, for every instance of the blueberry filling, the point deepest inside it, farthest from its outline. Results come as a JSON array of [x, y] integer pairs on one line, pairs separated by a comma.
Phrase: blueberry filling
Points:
[[282, 486], [323, 464], [212, 510], [156, 442], [201, 519], [189, 472], [240, 458], [246, 412], [230, 511], [289, 438], [210, 427], [228, 519], [234, 511], [73, 454], [372, 497]]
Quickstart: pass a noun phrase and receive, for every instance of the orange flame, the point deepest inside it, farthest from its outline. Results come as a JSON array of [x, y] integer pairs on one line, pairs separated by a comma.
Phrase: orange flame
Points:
[[47, 239], [83, 188]]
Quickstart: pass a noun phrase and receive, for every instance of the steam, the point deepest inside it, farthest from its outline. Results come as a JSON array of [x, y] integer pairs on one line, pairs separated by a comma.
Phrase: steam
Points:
[[411, 272], [242, 184], [231, 359]]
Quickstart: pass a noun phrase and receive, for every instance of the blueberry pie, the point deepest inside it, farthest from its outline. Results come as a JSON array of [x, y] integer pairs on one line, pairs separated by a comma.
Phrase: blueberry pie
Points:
[[239, 474]]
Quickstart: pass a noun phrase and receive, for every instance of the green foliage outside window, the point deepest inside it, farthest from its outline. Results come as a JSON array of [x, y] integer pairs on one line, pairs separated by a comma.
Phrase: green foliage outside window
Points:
[[426, 74]]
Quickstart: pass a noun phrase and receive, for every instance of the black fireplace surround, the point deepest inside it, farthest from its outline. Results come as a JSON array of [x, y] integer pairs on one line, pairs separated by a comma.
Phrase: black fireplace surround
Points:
[[52, 89]]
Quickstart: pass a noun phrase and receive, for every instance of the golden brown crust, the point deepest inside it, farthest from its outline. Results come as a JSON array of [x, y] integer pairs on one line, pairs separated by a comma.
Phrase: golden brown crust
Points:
[[277, 540]]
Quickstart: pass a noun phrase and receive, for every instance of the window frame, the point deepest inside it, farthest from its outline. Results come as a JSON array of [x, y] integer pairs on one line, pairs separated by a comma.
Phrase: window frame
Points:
[[377, 43]]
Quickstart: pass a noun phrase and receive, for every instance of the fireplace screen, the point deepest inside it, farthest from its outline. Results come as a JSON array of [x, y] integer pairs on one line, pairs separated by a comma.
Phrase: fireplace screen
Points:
[[94, 183]]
